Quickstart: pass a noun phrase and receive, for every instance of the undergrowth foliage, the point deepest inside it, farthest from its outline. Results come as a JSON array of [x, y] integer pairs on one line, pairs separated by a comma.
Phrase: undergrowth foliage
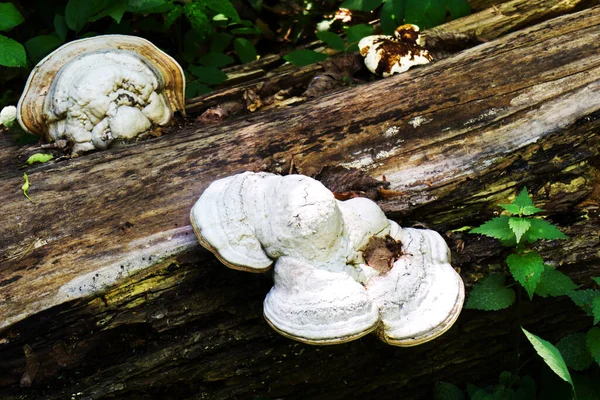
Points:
[[519, 228]]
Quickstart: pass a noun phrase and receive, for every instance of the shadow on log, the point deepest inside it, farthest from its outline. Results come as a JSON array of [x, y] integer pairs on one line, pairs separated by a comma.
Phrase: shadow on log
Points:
[[105, 292]]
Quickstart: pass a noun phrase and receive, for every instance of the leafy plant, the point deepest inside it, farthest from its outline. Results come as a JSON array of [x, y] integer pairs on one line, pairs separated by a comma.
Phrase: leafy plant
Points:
[[509, 387], [517, 228], [12, 53]]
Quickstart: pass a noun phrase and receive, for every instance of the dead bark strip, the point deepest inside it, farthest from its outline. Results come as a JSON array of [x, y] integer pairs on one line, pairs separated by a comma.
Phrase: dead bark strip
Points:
[[103, 279]]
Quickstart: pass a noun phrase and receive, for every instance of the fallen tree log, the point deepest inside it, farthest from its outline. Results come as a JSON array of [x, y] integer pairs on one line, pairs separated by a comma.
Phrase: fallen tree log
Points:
[[104, 291]]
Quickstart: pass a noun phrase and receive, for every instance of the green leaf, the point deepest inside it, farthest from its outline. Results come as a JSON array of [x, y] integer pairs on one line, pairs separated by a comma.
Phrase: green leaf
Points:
[[497, 228], [9, 16], [392, 15], [39, 47], [554, 283], [246, 30], [526, 269], [209, 75], [39, 157], [25, 187], [584, 299], [361, 5], [223, 7], [195, 89], [219, 42], [596, 279], [332, 40], [490, 294], [244, 49], [12, 53], [542, 229], [592, 340], [458, 8], [149, 6], [304, 57], [530, 210], [173, 15], [198, 19], [523, 199], [215, 60], [511, 208], [551, 356], [78, 13], [60, 27], [575, 352], [115, 11], [519, 226], [357, 32], [447, 391], [596, 309], [425, 13]]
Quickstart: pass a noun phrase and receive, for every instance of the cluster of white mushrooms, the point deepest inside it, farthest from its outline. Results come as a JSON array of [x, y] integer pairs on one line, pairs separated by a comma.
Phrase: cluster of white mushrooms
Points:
[[91, 92], [324, 290]]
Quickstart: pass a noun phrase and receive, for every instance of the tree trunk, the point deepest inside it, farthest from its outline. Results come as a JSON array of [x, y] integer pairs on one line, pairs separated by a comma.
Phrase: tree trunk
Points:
[[105, 291]]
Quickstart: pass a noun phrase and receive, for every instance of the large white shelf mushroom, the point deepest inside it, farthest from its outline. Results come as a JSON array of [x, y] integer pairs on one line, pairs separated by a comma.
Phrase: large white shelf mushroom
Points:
[[93, 91], [324, 290]]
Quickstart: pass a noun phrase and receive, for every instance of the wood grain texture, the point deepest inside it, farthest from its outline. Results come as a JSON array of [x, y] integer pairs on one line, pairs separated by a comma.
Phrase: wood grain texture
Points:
[[102, 277]]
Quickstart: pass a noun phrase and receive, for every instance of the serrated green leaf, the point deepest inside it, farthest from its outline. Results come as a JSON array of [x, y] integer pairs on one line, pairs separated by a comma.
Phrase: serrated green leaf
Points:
[[447, 391], [357, 32], [575, 352], [554, 283], [332, 40], [209, 75], [584, 298], [216, 60], [497, 228], [530, 210], [592, 339], [304, 57], [392, 15], [511, 208], [198, 19], [39, 157], [519, 226], [490, 294], [361, 5], [223, 7], [526, 269], [245, 50], [542, 229], [551, 356], [523, 199], [60, 27], [9, 16], [425, 13], [39, 47], [596, 279], [173, 15], [596, 309], [25, 187], [12, 53]]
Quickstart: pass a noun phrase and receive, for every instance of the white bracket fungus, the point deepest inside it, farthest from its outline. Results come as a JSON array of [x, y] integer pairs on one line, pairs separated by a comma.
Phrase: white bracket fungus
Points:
[[324, 290], [388, 55], [93, 91]]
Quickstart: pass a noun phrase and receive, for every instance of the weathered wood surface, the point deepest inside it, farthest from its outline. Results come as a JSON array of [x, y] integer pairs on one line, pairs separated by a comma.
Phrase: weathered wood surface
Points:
[[454, 137]]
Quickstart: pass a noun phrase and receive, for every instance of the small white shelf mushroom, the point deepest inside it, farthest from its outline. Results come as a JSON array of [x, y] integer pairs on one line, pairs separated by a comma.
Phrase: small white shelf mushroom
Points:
[[387, 55], [324, 291], [93, 91]]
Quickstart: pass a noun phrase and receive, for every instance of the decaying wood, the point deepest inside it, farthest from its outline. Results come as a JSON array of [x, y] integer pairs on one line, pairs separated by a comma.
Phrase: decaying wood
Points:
[[102, 278]]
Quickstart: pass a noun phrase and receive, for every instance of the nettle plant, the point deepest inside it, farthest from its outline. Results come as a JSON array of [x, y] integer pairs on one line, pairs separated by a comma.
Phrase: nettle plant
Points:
[[519, 228]]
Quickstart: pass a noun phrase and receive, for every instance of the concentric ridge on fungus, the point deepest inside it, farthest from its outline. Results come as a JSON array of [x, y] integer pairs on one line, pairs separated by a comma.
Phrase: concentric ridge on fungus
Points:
[[324, 291]]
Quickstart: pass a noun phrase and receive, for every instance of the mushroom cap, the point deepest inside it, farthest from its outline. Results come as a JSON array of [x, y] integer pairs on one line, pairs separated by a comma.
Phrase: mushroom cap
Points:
[[223, 220], [420, 298], [387, 55], [317, 306], [72, 89]]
